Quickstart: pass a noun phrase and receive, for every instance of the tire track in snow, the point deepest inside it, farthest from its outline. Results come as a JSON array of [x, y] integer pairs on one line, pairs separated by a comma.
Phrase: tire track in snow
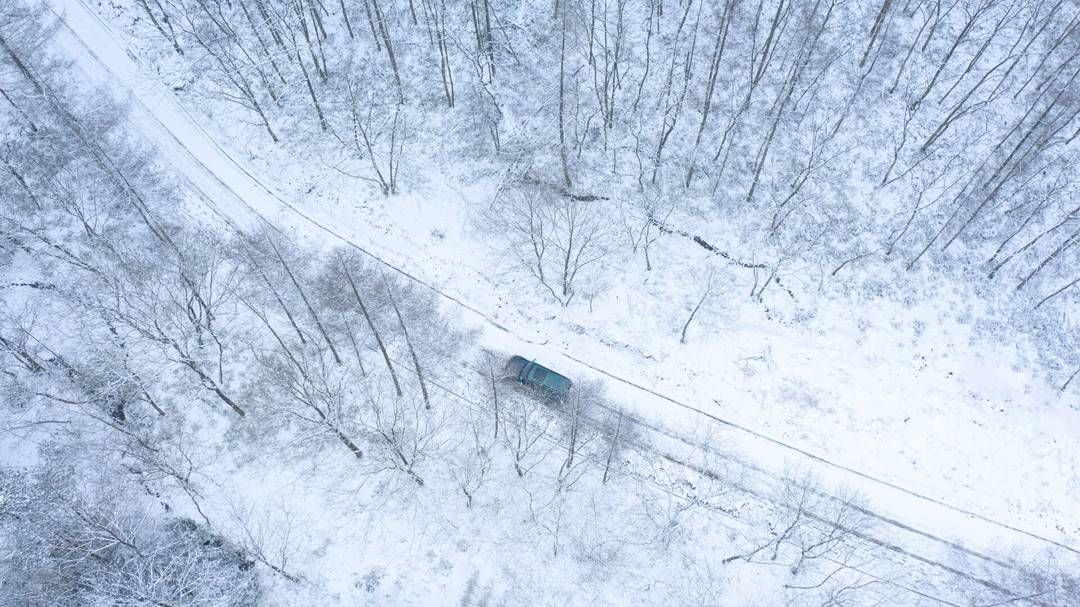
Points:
[[719, 511], [761, 498]]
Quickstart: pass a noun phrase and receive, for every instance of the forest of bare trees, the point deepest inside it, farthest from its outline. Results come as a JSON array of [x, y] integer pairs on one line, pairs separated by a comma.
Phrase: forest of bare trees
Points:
[[142, 346], [914, 134]]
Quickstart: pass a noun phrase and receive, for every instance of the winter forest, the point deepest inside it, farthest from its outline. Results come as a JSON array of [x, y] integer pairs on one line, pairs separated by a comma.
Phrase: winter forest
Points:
[[812, 266]]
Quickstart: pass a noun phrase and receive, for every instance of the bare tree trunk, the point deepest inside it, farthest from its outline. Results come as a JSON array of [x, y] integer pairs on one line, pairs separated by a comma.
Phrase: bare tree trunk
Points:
[[409, 344], [264, 47], [1033, 148], [489, 369], [356, 349], [1032, 242], [303, 296], [1047, 20], [1064, 246], [270, 23], [614, 445], [968, 25], [435, 17], [911, 50], [876, 29], [1065, 385], [648, 56], [562, 97], [306, 401], [1053, 295], [277, 297], [806, 51], [22, 113], [1038, 69], [380, 22], [371, 326], [345, 16], [170, 36], [988, 39], [319, 60], [371, 25], [484, 42], [693, 313], [672, 112], [768, 51], [714, 70], [311, 88]]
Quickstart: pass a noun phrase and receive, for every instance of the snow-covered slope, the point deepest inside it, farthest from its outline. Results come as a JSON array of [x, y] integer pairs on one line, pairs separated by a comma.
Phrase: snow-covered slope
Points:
[[965, 457], [879, 404]]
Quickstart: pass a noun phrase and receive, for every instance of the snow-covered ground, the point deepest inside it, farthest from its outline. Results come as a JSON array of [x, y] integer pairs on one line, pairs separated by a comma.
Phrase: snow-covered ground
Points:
[[943, 429]]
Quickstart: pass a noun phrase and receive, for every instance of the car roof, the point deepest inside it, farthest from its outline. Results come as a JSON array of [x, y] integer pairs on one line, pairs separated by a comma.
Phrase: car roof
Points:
[[552, 379]]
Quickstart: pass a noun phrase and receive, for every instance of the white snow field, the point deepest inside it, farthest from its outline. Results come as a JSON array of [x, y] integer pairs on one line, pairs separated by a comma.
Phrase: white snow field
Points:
[[964, 455]]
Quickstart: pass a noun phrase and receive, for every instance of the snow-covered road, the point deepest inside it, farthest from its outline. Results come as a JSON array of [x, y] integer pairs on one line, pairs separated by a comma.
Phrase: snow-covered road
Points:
[[922, 525]]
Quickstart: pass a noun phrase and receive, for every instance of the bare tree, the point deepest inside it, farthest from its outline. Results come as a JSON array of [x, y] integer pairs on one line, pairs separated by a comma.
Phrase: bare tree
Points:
[[615, 442], [435, 19], [644, 218], [555, 237], [526, 422], [370, 324], [409, 344], [714, 71], [368, 134], [471, 459], [212, 34], [706, 291], [303, 296], [305, 389], [97, 543], [809, 524], [404, 434], [561, 9], [268, 533], [579, 427], [379, 26], [677, 82], [490, 365], [669, 508]]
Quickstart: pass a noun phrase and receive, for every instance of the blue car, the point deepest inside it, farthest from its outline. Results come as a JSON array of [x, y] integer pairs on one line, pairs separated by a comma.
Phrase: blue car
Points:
[[536, 376]]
